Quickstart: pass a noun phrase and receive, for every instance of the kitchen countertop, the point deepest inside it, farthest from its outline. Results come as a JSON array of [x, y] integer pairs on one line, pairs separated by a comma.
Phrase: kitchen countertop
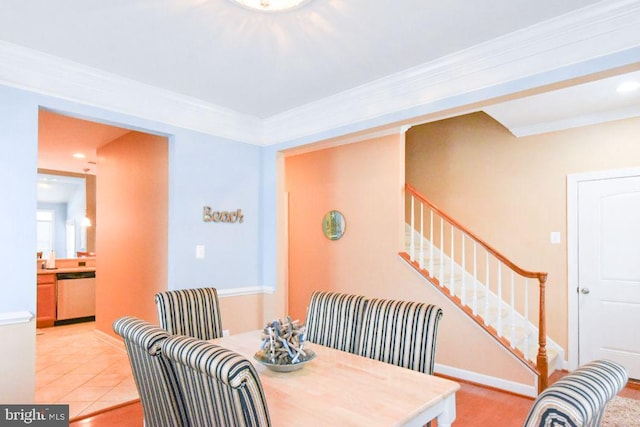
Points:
[[65, 270]]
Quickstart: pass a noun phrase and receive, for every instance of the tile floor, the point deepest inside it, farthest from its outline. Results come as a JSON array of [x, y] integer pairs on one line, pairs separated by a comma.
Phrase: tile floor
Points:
[[76, 366]]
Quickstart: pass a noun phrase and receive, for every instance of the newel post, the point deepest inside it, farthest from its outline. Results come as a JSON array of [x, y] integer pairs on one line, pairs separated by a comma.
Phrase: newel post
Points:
[[543, 362]]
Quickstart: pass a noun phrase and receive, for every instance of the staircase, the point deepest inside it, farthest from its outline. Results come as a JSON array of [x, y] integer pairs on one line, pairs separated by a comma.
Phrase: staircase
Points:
[[507, 301]]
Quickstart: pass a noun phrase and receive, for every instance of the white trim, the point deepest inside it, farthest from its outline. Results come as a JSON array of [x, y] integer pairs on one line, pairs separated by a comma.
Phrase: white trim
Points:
[[573, 180], [489, 381], [111, 340], [351, 139], [456, 80], [575, 122], [29, 69], [15, 317], [583, 35], [249, 290]]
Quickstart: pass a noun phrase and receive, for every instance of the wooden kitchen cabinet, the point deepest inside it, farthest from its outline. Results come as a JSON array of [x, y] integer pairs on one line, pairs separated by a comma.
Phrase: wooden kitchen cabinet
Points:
[[46, 304]]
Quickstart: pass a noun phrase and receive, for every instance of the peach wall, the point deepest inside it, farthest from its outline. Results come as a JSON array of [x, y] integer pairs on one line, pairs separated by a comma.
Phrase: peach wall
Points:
[[512, 191], [242, 313], [90, 185], [361, 181], [365, 181], [132, 231]]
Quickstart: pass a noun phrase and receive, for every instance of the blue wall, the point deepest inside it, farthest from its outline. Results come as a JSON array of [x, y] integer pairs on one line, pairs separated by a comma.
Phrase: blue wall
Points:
[[203, 170], [18, 175], [225, 176]]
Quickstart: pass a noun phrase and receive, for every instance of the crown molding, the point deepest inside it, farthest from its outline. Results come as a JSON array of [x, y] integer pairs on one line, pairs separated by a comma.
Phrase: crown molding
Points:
[[39, 72], [456, 80], [578, 37], [575, 122]]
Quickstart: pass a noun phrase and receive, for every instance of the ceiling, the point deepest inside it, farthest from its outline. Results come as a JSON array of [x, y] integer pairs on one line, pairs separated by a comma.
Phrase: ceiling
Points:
[[573, 106], [261, 65], [59, 188], [61, 137]]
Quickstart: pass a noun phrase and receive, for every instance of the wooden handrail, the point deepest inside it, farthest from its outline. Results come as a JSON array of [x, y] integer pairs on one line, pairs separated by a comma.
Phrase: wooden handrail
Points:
[[502, 258], [542, 365]]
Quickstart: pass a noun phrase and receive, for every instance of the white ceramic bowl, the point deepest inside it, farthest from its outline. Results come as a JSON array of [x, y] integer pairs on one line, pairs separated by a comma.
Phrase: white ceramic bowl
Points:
[[288, 367]]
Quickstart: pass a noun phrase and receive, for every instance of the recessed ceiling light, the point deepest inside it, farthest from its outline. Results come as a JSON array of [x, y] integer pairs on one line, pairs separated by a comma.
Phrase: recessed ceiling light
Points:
[[79, 155], [629, 86], [271, 5]]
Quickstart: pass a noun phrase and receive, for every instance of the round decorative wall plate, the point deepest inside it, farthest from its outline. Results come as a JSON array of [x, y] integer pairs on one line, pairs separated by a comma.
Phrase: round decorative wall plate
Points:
[[333, 225]]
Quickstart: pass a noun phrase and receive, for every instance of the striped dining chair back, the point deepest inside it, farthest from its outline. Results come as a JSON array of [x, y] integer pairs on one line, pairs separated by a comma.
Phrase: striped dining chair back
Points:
[[580, 397], [191, 312], [162, 402], [223, 387], [333, 320], [402, 333]]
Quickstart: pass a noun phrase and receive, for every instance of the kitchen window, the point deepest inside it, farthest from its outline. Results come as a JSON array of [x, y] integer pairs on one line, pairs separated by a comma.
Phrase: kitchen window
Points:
[[45, 219]]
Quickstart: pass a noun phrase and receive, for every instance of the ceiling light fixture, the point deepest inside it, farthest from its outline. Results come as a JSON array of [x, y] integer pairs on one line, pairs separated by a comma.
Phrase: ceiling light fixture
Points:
[[271, 5], [629, 86], [79, 155]]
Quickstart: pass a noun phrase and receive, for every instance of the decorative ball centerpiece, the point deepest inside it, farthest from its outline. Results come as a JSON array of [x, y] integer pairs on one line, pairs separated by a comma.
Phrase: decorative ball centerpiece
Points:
[[282, 348]]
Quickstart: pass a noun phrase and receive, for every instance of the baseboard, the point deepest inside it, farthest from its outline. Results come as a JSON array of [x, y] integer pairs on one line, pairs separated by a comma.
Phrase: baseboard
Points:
[[486, 380], [73, 321], [103, 411], [113, 341]]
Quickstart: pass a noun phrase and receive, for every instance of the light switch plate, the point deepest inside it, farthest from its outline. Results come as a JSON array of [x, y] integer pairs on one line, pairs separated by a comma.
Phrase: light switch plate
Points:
[[199, 251], [555, 237]]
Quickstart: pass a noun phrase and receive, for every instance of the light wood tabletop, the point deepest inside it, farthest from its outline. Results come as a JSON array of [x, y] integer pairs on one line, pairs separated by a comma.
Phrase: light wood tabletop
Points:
[[343, 389]]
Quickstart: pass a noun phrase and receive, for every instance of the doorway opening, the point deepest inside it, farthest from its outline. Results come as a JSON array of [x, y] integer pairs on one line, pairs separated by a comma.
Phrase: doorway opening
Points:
[[91, 378], [604, 284]]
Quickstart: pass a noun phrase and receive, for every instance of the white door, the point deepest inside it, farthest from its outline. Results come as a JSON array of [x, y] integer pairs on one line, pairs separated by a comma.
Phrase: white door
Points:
[[609, 271]]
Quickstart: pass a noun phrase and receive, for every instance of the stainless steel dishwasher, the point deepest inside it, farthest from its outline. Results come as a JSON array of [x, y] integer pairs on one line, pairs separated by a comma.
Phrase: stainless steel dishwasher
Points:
[[76, 297]]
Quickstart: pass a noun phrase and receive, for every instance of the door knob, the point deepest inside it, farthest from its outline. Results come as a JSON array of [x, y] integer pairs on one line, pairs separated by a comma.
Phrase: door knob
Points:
[[585, 291]]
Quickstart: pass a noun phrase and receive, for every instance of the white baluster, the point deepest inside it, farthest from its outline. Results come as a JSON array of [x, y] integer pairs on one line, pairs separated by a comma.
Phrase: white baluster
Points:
[[513, 311], [526, 317], [421, 236], [487, 289], [441, 278], [475, 279], [499, 298], [464, 272], [431, 240], [453, 251], [412, 246]]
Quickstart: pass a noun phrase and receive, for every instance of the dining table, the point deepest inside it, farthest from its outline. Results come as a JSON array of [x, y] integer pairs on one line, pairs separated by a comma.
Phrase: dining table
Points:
[[338, 388]]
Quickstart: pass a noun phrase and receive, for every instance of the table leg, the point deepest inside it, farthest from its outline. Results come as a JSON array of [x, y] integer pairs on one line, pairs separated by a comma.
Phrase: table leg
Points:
[[448, 415]]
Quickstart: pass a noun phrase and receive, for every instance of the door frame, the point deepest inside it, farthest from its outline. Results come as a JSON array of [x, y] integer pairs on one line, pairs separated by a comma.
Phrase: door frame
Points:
[[573, 180]]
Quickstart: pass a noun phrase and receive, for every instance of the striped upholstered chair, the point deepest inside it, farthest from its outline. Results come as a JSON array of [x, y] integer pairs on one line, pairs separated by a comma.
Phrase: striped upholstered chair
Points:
[[162, 402], [191, 312], [579, 398], [222, 387], [402, 333], [333, 320]]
